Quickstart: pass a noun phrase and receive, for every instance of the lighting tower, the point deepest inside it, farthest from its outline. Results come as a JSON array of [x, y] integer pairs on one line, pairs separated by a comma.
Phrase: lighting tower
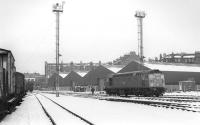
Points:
[[57, 9], [140, 15]]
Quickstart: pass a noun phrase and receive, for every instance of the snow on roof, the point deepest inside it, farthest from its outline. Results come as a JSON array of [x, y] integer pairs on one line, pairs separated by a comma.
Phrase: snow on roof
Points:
[[63, 75], [114, 69], [173, 67], [82, 73], [178, 56], [191, 56]]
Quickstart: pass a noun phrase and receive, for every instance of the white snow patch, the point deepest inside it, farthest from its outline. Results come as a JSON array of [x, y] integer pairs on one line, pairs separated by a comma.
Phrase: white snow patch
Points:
[[82, 74], [28, 113], [115, 69], [181, 93], [173, 67], [63, 75], [103, 112], [60, 116]]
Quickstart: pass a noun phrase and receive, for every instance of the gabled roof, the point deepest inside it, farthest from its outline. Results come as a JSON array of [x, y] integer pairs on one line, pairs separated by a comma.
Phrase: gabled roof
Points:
[[115, 68], [82, 73], [63, 75], [52, 80], [99, 72], [72, 77], [133, 66]]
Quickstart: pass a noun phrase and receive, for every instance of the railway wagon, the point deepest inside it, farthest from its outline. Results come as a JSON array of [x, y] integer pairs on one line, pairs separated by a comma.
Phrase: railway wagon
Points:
[[2, 96], [9, 100], [139, 83], [11, 83], [29, 86], [20, 84]]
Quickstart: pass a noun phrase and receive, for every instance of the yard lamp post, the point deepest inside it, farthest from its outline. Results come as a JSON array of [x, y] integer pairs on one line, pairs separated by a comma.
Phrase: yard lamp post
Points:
[[57, 9]]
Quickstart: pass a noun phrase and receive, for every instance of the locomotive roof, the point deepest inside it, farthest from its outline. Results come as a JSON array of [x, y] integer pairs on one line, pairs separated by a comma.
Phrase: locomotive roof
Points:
[[139, 72]]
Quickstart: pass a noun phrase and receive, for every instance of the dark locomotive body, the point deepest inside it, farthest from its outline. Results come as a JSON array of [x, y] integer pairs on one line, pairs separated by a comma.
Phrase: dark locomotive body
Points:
[[139, 83]]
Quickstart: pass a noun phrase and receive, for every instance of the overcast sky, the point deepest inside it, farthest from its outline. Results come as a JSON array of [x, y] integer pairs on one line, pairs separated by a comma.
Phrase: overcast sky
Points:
[[93, 30]]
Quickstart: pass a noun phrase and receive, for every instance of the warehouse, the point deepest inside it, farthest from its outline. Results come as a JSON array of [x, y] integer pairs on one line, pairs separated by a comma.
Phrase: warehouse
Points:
[[96, 78], [174, 73], [52, 81], [72, 81]]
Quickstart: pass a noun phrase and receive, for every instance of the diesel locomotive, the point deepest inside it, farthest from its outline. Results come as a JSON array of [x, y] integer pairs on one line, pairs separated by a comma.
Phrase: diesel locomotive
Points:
[[139, 83]]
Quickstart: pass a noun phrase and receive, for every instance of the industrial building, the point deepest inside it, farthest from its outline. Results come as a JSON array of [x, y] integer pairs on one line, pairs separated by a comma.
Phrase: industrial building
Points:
[[67, 82], [83, 81], [52, 81], [174, 73], [38, 80], [72, 81], [126, 59], [96, 78], [50, 68], [191, 58]]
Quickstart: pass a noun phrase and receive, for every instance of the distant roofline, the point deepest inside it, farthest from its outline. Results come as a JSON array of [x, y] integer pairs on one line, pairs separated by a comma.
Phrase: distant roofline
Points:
[[175, 64]]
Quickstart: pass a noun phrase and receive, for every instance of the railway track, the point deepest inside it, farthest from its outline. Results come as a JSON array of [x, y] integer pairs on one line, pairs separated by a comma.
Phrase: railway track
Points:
[[175, 100], [171, 99], [181, 103], [52, 118], [172, 105], [191, 104]]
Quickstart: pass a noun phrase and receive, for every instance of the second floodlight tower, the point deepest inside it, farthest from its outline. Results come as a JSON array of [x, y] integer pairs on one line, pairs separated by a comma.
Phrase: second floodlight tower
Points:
[[140, 15], [57, 9]]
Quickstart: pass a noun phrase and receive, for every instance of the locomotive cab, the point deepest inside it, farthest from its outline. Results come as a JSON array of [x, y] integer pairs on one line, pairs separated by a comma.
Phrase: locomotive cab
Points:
[[156, 80]]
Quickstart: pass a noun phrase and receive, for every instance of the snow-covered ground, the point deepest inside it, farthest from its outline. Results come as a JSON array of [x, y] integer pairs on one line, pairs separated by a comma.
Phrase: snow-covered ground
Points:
[[106, 112], [28, 113], [59, 115], [180, 93], [189, 101], [99, 112]]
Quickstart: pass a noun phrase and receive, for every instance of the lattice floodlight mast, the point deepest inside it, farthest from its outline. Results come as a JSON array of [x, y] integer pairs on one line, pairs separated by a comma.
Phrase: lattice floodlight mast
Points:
[[140, 15], [57, 9]]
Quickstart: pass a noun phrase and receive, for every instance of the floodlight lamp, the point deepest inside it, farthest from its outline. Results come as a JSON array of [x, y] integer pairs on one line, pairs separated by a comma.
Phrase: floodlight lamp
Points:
[[58, 8], [140, 14]]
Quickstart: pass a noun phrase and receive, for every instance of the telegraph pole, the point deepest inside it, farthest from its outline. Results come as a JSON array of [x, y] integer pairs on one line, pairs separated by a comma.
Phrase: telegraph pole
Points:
[[140, 15], [57, 9]]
